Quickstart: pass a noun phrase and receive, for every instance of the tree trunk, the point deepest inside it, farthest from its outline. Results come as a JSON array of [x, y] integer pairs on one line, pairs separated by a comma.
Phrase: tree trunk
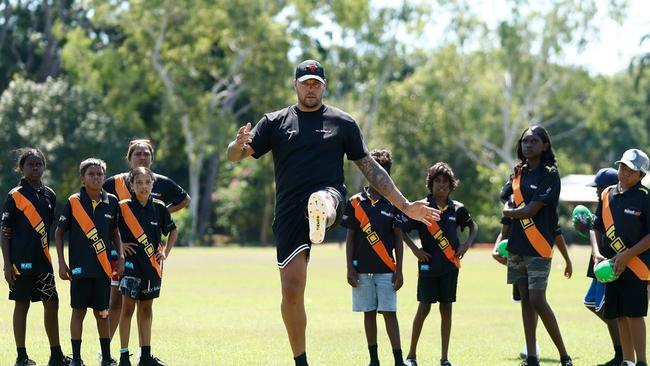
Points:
[[205, 206]]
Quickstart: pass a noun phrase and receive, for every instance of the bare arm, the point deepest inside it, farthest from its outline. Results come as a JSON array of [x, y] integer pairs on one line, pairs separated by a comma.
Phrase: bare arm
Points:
[[10, 277], [181, 205], [239, 148], [526, 212], [398, 278], [418, 252], [171, 240], [473, 230], [594, 240], [353, 280], [382, 182], [64, 271], [560, 243], [622, 258], [502, 235]]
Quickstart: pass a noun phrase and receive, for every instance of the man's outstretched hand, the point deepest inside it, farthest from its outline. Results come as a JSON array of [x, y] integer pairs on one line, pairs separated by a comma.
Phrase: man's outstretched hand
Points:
[[420, 210]]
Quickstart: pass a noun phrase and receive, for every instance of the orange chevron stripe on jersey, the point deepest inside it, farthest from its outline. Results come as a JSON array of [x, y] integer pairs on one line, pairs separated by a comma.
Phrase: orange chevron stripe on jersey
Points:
[[535, 237], [443, 243], [121, 190], [88, 227], [138, 233], [635, 264], [28, 209], [371, 236]]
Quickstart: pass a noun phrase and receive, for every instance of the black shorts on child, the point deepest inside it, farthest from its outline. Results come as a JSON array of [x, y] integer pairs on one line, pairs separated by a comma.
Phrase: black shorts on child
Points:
[[138, 288], [38, 287], [90, 293], [439, 288], [626, 299]]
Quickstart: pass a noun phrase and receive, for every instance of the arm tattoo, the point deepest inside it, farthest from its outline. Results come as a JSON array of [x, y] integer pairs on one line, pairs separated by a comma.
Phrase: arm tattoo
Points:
[[380, 180]]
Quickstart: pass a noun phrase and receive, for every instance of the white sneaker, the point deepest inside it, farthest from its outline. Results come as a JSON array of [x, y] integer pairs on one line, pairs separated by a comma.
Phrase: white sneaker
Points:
[[317, 214], [524, 354]]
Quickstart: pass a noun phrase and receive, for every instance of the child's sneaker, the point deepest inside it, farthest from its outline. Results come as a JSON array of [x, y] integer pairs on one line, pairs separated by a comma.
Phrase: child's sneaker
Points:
[[641, 364], [152, 361], [317, 214], [410, 362], [446, 363], [76, 363], [65, 361], [110, 362], [25, 362], [613, 362], [124, 362], [530, 361], [566, 361]]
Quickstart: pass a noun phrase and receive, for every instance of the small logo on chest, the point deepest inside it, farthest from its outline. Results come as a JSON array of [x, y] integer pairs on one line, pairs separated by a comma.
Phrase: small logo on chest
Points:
[[323, 131], [630, 211]]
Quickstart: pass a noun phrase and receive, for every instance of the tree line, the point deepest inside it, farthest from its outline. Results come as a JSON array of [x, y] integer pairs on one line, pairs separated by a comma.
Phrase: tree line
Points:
[[80, 78]]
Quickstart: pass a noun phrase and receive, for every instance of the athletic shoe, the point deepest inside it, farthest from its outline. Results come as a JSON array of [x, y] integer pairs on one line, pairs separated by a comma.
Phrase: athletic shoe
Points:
[[530, 362], [317, 214], [124, 362], [152, 361], [76, 362], [613, 362], [641, 364], [524, 353], [25, 362], [566, 361], [446, 363], [111, 362], [410, 362], [65, 361]]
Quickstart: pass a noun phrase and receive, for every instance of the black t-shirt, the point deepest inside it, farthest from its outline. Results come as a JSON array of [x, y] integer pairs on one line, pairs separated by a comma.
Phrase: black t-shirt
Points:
[[454, 216], [155, 220], [382, 216], [25, 246], [631, 214], [164, 189], [540, 184], [308, 149], [83, 259]]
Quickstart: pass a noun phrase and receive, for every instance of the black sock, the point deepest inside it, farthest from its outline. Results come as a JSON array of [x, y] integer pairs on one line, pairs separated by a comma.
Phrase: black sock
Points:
[[105, 344], [76, 349], [564, 358], [56, 353], [22, 353], [301, 360], [397, 355], [532, 361], [618, 352], [374, 358], [145, 352]]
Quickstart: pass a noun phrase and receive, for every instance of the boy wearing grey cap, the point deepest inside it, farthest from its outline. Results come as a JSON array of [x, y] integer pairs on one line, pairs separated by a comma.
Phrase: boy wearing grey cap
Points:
[[623, 216]]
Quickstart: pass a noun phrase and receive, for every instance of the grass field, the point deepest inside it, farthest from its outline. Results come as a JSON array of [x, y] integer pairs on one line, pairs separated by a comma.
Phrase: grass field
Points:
[[220, 306]]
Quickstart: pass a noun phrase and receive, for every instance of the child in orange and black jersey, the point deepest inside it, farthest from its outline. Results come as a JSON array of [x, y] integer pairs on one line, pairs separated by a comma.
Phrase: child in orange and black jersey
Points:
[[90, 218], [143, 222], [533, 211], [439, 257], [623, 216], [27, 217], [140, 153], [374, 272]]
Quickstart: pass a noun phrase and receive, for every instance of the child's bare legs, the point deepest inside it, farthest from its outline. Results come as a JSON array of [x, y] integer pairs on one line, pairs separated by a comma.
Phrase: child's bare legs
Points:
[[543, 309], [370, 326], [115, 309], [529, 318], [128, 307], [637, 329], [445, 328], [612, 326], [20, 322], [51, 322], [418, 322], [77, 323], [392, 328], [145, 319], [626, 338]]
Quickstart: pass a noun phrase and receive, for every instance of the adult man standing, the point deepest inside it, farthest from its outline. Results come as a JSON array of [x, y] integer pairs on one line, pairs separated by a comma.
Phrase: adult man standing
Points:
[[308, 141]]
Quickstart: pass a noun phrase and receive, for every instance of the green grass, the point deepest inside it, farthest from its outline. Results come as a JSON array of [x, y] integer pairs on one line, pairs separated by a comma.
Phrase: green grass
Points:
[[220, 306]]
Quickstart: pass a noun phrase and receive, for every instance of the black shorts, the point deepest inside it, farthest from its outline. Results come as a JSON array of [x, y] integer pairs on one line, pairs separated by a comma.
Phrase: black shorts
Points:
[[626, 299], [291, 230], [90, 293], [38, 287], [438, 289], [140, 288]]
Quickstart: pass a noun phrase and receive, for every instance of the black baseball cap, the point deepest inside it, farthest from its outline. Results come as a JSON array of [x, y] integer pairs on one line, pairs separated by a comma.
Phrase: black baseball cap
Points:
[[310, 69], [604, 178]]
